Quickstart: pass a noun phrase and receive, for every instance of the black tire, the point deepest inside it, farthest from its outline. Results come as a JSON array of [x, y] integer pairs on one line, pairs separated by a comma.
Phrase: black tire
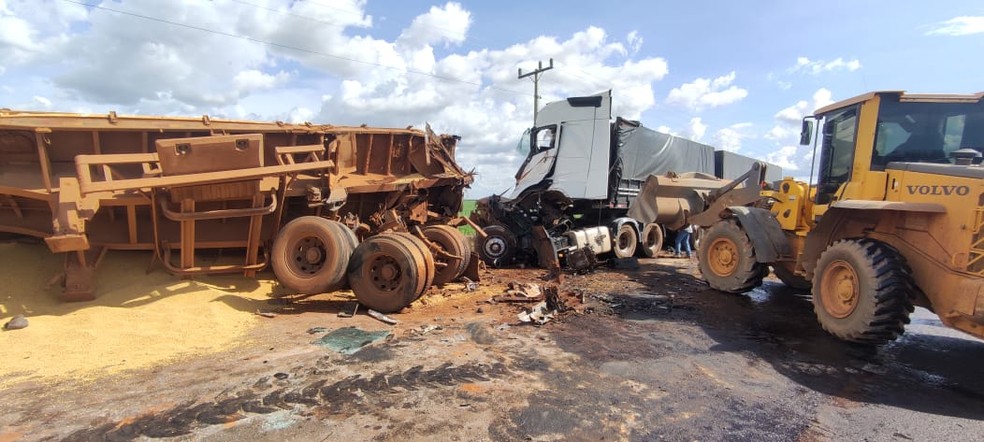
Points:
[[452, 241], [310, 255], [862, 291], [791, 279], [426, 260], [652, 240], [625, 241], [387, 272], [498, 248], [727, 258]]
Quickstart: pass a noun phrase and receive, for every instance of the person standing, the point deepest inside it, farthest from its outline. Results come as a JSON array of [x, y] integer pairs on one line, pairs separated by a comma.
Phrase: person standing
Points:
[[683, 241]]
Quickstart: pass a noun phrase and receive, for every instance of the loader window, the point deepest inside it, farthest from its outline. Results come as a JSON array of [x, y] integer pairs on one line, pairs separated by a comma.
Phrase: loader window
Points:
[[925, 132], [837, 153]]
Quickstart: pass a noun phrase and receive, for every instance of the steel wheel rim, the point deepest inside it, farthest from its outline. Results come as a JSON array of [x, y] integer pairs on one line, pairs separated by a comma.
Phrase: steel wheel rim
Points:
[[309, 256], [839, 289], [495, 247], [651, 238], [383, 272], [623, 241], [723, 256]]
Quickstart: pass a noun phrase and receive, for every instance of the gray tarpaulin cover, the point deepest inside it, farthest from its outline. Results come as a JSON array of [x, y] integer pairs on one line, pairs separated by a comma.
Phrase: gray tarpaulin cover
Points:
[[640, 152], [730, 165]]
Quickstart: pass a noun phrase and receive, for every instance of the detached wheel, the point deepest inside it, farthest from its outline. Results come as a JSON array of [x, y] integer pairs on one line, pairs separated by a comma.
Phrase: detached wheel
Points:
[[625, 241], [727, 259], [862, 291], [453, 242], [387, 272], [498, 247], [652, 240], [789, 278], [310, 255]]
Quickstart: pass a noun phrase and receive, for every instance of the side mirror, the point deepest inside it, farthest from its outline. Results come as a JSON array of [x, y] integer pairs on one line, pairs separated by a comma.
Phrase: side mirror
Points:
[[806, 133]]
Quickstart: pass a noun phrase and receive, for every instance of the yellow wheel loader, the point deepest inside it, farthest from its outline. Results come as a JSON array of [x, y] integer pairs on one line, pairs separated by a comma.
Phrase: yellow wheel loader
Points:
[[894, 220]]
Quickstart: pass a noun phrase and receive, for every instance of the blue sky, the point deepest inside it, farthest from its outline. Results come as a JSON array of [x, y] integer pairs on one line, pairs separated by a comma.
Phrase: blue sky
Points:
[[736, 75]]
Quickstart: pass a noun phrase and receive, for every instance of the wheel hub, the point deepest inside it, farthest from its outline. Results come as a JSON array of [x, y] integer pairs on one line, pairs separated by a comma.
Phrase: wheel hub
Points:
[[839, 289], [309, 255], [385, 273], [495, 247], [723, 257]]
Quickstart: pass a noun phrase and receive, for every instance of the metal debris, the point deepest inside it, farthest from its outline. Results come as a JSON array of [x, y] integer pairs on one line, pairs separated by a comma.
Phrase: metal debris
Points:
[[266, 314], [470, 286], [539, 314], [382, 317], [316, 330], [16, 323], [520, 292], [348, 310]]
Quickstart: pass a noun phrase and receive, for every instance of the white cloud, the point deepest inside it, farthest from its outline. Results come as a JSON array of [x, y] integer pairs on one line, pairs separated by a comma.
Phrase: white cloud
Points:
[[817, 67], [697, 129], [44, 102], [732, 137], [704, 93], [794, 114], [447, 24], [784, 157], [958, 26], [327, 64]]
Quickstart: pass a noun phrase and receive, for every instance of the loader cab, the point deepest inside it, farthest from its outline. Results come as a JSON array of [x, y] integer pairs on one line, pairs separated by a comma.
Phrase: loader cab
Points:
[[860, 137]]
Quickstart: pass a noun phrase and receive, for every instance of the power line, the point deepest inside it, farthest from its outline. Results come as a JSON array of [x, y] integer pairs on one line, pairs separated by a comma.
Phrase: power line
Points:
[[293, 48]]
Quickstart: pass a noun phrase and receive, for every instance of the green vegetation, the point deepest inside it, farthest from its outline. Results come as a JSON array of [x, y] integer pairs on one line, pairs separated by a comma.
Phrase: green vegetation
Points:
[[467, 206]]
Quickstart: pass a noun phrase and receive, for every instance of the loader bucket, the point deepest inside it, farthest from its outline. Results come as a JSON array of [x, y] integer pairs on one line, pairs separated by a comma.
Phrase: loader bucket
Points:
[[671, 199]]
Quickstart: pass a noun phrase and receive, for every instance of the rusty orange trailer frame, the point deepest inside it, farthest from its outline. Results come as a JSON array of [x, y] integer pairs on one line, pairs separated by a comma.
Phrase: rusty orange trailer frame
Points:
[[92, 183]]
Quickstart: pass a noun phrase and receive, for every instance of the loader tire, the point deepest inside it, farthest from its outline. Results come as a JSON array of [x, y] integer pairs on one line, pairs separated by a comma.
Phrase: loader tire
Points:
[[727, 258], [862, 291]]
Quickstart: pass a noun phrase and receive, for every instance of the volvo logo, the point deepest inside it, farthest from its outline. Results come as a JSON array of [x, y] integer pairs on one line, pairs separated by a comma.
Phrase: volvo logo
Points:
[[938, 190]]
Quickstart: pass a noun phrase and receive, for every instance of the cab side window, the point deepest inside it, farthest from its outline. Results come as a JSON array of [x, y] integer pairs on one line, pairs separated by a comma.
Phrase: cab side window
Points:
[[837, 156]]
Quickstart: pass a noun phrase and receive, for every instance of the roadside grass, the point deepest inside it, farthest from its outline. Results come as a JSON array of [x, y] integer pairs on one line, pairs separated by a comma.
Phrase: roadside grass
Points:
[[467, 206]]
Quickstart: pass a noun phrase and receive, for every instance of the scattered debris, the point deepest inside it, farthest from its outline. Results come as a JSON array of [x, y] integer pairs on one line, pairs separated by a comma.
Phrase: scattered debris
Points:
[[348, 310], [348, 340], [502, 327], [470, 286], [281, 375], [16, 323], [382, 317], [539, 314], [480, 310], [425, 329], [479, 333], [316, 330], [520, 292], [266, 314]]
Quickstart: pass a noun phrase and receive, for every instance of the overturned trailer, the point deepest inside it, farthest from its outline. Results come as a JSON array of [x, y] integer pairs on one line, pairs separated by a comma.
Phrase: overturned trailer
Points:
[[297, 197], [582, 174]]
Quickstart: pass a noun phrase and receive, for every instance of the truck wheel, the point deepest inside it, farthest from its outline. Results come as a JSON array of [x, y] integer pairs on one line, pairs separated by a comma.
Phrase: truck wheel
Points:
[[789, 278], [453, 242], [310, 255], [652, 240], [387, 272], [427, 260], [862, 291], [498, 247], [625, 241], [727, 259]]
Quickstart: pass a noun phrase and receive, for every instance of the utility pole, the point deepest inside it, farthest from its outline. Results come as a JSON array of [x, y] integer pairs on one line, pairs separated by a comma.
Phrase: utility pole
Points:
[[536, 84]]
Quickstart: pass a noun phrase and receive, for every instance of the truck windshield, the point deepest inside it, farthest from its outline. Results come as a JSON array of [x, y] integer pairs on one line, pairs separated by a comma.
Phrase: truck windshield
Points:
[[524, 143], [926, 132]]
